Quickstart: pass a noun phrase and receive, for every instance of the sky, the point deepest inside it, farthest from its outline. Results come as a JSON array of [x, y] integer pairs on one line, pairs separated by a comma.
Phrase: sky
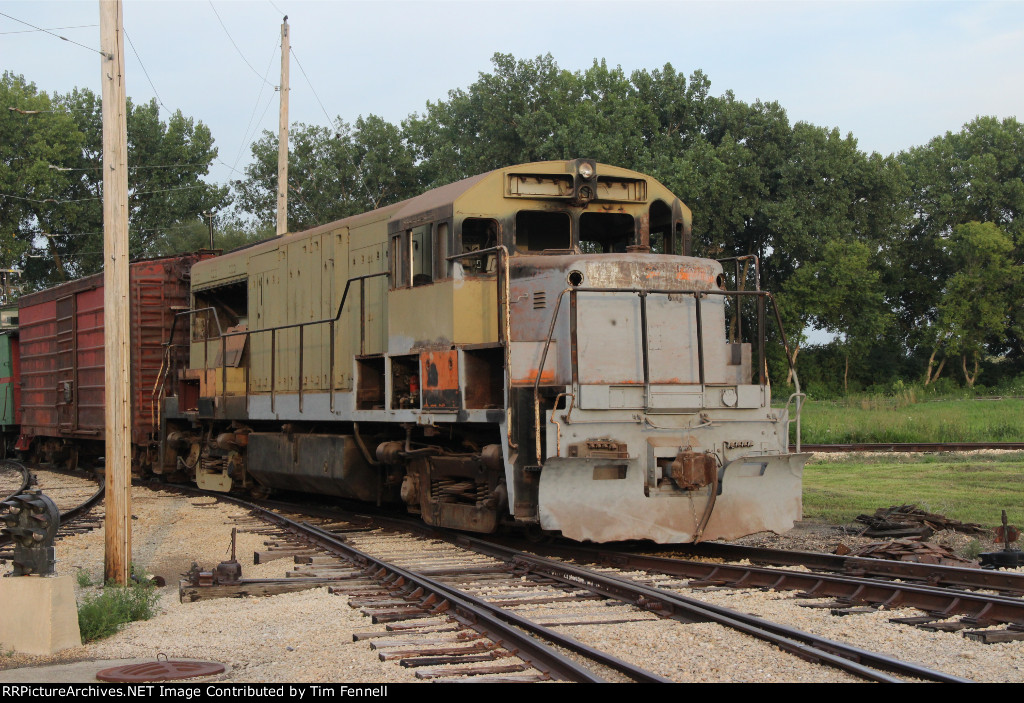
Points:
[[894, 74]]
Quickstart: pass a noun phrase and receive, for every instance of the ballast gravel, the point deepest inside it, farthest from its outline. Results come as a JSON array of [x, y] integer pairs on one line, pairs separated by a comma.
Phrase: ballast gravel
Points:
[[307, 636]]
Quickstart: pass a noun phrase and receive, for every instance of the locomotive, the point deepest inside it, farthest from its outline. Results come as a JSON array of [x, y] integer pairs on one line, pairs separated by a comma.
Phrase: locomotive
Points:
[[534, 347]]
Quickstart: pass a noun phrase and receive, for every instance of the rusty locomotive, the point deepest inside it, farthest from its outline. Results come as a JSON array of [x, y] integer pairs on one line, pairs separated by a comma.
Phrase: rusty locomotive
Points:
[[533, 346]]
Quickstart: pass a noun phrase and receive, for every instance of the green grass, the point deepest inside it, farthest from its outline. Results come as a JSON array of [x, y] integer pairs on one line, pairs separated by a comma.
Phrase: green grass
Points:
[[102, 615], [887, 419], [969, 488]]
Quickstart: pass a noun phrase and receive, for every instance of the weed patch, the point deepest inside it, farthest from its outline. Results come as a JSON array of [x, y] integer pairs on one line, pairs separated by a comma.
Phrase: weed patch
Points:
[[102, 615]]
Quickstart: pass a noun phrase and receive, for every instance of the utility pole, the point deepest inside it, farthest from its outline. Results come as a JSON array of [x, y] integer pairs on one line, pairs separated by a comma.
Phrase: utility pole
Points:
[[209, 216], [282, 138], [116, 300]]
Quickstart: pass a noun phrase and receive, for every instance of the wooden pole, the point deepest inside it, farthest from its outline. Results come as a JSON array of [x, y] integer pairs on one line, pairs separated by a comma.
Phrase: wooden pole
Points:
[[282, 139], [116, 300]]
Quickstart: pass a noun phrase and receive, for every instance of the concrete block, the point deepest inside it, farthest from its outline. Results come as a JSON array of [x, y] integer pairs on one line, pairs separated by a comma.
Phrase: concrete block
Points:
[[38, 614]]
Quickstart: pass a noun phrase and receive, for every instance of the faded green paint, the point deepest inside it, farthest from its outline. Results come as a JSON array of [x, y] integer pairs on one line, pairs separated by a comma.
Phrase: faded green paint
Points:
[[300, 278], [6, 380]]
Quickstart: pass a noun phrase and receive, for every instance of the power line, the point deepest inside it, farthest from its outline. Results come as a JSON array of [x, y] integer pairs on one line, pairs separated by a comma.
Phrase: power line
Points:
[[40, 29], [131, 168], [330, 122], [78, 200], [250, 128], [225, 164], [30, 31], [66, 111], [132, 45], [130, 228], [236, 46]]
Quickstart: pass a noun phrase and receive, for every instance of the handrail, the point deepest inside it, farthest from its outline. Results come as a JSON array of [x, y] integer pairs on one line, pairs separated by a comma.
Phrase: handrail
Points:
[[273, 330], [736, 261], [504, 324]]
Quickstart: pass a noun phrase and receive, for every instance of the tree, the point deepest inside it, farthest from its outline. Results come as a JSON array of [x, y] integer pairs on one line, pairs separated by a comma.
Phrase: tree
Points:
[[51, 165], [33, 139], [975, 308], [974, 175], [842, 293], [331, 174]]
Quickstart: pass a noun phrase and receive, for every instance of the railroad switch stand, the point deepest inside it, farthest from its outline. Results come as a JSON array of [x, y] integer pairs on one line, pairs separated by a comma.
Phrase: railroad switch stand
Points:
[[1009, 557], [32, 519]]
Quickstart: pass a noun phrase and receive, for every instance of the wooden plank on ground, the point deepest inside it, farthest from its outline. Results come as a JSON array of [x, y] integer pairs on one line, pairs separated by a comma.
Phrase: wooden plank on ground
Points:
[[187, 593]]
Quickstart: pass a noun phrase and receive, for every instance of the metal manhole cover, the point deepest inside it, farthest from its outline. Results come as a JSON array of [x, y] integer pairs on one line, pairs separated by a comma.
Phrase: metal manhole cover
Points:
[[159, 670]]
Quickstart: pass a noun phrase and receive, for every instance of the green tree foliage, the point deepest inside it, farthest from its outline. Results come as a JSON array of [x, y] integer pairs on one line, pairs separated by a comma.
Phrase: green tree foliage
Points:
[[32, 139], [51, 167], [331, 174], [975, 307], [885, 253], [974, 175]]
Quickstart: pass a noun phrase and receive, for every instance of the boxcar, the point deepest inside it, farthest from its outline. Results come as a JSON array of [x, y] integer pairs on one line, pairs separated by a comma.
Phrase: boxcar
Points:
[[61, 358]]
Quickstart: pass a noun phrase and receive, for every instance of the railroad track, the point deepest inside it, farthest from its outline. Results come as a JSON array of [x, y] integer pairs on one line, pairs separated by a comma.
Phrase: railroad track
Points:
[[910, 447], [939, 591], [75, 494], [14, 478], [439, 580]]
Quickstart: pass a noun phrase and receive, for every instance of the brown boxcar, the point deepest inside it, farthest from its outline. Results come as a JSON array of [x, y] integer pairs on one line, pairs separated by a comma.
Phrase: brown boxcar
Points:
[[62, 348]]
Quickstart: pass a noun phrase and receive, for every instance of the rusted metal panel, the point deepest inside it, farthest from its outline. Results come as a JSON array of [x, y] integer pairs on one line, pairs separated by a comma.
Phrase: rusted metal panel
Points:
[[442, 314], [439, 379]]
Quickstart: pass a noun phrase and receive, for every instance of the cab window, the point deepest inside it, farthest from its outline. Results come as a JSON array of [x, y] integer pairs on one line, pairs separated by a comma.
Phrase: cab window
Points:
[[478, 234], [540, 230], [422, 241], [661, 239], [606, 232]]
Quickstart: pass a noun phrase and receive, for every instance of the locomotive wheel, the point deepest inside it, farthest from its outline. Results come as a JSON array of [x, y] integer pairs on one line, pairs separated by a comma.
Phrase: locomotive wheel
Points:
[[259, 492]]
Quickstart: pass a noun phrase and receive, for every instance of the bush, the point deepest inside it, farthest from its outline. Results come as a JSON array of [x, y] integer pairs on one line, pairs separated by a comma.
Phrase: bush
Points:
[[102, 615]]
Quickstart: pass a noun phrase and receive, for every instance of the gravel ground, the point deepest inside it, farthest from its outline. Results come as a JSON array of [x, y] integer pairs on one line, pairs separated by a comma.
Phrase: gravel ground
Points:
[[307, 636]]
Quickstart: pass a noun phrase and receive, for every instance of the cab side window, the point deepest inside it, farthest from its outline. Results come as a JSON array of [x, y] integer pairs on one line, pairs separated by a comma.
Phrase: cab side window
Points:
[[478, 234]]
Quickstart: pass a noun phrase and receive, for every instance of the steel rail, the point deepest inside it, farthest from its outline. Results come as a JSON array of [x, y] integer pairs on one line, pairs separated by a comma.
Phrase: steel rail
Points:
[[863, 663], [803, 644], [26, 477], [933, 574], [911, 446], [474, 607], [986, 608], [982, 607], [69, 515], [498, 624], [853, 659]]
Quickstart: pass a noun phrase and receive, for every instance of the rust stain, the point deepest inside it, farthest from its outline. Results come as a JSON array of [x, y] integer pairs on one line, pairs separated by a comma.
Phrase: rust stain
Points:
[[531, 377]]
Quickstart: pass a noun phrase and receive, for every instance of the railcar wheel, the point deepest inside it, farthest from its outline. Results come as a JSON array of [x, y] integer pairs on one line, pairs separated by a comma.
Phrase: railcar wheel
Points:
[[535, 535], [259, 492]]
